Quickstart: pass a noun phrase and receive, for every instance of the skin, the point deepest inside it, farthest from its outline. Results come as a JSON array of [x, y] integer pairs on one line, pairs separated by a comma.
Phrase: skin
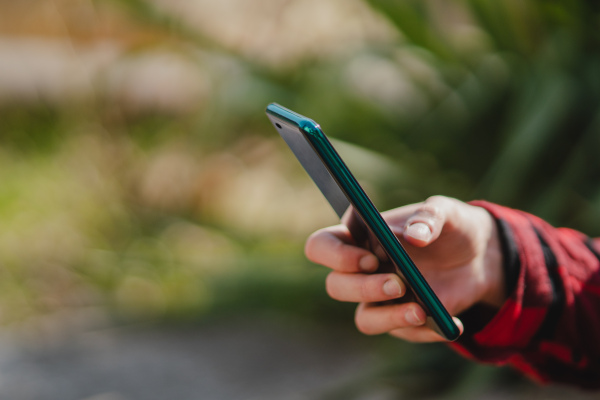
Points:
[[456, 247]]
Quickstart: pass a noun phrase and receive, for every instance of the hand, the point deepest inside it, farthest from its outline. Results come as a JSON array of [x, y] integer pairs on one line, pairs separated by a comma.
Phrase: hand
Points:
[[454, 245]]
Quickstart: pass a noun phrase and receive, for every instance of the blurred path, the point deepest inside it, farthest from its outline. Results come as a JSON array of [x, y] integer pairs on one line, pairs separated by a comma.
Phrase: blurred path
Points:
[[233, 359]]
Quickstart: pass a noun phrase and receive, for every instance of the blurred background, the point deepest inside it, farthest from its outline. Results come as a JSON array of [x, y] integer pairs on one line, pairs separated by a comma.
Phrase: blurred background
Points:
[[152, 222]]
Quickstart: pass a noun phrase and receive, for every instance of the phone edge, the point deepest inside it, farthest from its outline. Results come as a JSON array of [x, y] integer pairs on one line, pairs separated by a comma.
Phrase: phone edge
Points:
[[357, 196]]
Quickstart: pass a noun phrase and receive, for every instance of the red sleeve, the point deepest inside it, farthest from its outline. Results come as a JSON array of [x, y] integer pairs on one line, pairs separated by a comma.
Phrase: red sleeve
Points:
[[549, 327]]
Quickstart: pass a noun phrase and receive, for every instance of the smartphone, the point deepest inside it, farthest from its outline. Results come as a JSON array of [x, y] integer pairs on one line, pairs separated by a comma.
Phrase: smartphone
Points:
[[354, 208]]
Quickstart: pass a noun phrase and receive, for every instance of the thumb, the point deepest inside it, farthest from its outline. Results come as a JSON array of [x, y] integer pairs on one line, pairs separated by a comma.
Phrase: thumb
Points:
[[418, 232], [427, 222]]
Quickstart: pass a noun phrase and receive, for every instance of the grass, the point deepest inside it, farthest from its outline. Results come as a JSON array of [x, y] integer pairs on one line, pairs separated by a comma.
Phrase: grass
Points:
[[180, 215]]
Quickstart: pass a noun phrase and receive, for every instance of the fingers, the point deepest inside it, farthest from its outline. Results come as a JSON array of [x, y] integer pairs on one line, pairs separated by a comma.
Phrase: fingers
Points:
[[330, 247], [374, 319], [422, 334], [360, 288], [405, 321], [419, 224], [427, 221]]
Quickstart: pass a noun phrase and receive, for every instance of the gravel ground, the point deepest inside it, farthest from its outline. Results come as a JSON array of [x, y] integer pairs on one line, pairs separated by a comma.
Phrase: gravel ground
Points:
[[227, 360], [233, 359]]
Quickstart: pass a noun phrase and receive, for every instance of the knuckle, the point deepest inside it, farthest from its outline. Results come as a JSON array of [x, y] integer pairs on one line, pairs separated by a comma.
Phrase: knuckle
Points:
[[437, 204], [311, 245], [340, 257], [437, 199], [431, 210], [363, 328], [361, 324], [371, 289], [396, 319], [365, 289], [331, 287]]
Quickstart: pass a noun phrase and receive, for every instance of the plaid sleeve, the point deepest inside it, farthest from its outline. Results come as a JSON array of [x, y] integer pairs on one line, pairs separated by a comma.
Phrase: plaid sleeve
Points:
[[549, 327]]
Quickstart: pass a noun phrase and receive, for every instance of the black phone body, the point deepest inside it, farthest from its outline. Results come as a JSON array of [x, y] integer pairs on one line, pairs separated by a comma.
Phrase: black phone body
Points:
[[354, 208]]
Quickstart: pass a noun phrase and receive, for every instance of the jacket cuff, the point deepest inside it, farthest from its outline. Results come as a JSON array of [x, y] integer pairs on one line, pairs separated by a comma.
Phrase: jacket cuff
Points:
[[495, 336]]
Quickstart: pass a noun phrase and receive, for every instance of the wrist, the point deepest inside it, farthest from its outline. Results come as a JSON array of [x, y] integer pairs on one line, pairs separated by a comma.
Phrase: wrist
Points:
[[494, 293]]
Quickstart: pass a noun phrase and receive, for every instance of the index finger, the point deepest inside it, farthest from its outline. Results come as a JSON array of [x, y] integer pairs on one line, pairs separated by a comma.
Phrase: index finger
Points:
[[333, 248]]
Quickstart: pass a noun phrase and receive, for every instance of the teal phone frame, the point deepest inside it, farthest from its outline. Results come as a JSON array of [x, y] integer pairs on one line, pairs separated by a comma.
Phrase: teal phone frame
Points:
[[438, 317]]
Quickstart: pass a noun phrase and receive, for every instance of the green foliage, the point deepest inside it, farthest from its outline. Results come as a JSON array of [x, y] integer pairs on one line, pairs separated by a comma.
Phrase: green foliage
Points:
[[518, 119], [160, 215]]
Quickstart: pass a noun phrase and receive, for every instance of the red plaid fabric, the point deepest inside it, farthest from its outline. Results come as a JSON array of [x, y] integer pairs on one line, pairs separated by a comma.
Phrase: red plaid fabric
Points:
[[549, 327]]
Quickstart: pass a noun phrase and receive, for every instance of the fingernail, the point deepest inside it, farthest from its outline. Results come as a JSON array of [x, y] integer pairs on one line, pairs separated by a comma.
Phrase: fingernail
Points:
[[419, 231], [412, 317], [368, 263], [392, 288], [459, 323]]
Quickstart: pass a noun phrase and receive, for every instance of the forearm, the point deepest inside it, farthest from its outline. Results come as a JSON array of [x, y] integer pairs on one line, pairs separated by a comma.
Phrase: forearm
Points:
[[549, 324]]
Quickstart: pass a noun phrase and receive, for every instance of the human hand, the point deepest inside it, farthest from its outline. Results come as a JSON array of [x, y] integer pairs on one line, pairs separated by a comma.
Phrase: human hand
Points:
[[455, 246]]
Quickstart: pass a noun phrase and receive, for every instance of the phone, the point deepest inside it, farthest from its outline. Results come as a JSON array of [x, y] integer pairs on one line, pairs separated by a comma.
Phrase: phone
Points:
[[354, 208]]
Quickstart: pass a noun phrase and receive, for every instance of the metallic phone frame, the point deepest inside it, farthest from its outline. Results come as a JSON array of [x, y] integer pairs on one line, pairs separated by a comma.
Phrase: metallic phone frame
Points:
[[331, 175]]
